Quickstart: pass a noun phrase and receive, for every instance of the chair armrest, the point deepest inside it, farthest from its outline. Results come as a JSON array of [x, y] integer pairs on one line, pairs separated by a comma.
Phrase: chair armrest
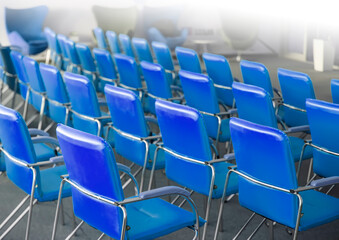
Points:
[[226, 158], [325, 181], [302, 128], [35, 131], [45, 139], [102, 102], [163, 191], [57, 159], [151, 119], [229, 112], [123, 168]]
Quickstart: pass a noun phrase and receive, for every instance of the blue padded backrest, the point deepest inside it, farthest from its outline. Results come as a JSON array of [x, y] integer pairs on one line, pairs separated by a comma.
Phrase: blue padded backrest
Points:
[[33, 74], [91, 164], [16, 141], [142, 49], [255, 73], [183, 132], [157, 82], [72, 53], [188, 59], [17, 59], [82, 94], [52, 40], [126, 111], [105, 63], [126, 45], [86, 58], [323, 118], [6, 60], [62, 42], [218, 69], [54, 84], [163, 55], [27, 22], [264, 154], [335, 90], [295, 87], [254, 104], [100, 37], [113, 43], [128, 70]]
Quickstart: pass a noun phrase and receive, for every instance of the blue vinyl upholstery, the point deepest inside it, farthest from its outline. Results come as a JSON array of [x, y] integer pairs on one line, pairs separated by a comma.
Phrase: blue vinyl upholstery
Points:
[[188, 59], [163, 55], [106, 68], [65, 58], [323, 118], [73, 56], [126, 45], [335, 90], [87, 62], [296, 87], [100, 37], [255, 146], [113, 42], [142, 49], [17, 59]]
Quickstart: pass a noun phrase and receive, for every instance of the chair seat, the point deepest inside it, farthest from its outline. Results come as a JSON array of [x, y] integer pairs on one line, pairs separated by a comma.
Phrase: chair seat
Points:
[[318, 208], [225, 130], [43, 152], [50, 184], [296, 148], [221, 170], [153, 218]]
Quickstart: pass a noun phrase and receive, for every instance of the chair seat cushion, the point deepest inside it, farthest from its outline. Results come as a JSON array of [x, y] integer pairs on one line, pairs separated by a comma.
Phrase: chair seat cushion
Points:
[[43, 152], [296, 148], [153, 218], [318, 208], [221, 170], [50, 184]]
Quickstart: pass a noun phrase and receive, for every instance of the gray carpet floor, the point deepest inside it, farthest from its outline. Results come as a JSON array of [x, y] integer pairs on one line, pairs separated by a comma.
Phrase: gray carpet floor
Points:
[[234, 216]]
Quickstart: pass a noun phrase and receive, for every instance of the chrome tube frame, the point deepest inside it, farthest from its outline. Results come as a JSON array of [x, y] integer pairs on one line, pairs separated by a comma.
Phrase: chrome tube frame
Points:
[[291, 107]]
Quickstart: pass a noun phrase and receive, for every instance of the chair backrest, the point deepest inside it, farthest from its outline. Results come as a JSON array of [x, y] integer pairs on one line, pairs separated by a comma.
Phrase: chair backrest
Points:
[[71, 51], [142, 49], [183, 132], [255, 73], [91, 165], [127, 116], [113, 42], [188, 59], [6, 60], [323, 118], [100, 37], [27, 22], [56, 91], [218, 69], [335, 90], [295, 87], [62, 42], [126, 45], [254, 104], [200, 94], [52, 40], [85, 57], [16, 141], [17, 59], [163, 55], [105, 64], [128, 70], [33, 74], [263, 153]]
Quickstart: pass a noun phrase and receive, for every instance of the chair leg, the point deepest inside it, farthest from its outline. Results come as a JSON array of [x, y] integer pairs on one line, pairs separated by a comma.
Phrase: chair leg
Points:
[[243, 227], [256, 229], [55, 224], [42, 110], [208, 206], [271, 230], [74, 231], [62, 212], [14, 211]]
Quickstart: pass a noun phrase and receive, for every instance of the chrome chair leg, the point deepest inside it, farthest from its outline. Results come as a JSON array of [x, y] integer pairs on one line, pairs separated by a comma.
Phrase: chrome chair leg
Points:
[[243, 227], [14, 211], [208, 206], [74, 231], [256, 229], [57, 210], [62, 212]]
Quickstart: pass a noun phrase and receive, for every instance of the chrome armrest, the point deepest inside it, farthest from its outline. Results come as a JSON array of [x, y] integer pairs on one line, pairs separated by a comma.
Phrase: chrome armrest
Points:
[[226, 158], [302, 128], [38, 132], [325, 181], [151, 119], [45, 139]]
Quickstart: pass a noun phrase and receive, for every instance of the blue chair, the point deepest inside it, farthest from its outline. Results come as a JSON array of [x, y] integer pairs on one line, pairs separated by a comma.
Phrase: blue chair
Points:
[[23, 168], [270, 188], [88, 66], [256, 74], [57, 96], [188, 59], [323, 118], [335, 90], [106, 68], [113, 42], [295, 87], [200, 93], [164, 58], [54, 48], [24, 28], [65, 58], [159, 85], [37, 92], [126, 45], [100, 38], [255, 104], [218, 69], [133, 138], [96, 188], [74, 64], [142, 49], [85, 109], [188, 156]]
